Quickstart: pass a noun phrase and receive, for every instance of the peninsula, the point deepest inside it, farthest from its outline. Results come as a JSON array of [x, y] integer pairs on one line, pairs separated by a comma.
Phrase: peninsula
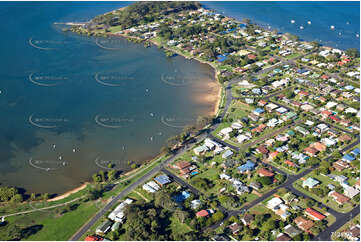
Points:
[[279, 160]]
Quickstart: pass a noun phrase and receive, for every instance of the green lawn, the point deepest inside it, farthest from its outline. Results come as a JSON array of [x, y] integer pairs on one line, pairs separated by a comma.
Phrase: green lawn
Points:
[[325, 200], [62, 227], [179, 227]]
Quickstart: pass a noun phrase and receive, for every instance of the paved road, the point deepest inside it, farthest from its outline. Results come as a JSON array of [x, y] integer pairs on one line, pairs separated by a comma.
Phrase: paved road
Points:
[[129, 189], [190, 187], [340, 221]]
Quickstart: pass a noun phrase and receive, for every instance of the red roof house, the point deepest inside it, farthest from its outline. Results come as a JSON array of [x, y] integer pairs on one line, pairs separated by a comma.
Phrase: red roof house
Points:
[[93, 238], [313, 214], [264, 172], [202, 213]]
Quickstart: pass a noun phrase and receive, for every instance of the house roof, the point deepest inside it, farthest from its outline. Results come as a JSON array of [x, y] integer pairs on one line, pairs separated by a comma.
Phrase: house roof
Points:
[[310, 182], [162, 179], [249, 165], [202, 213], [303, 223], [313, 213], [319, 146], [182, 164], [348, 157], [262, 149], [311, 150], [291, 231], [283, 237], [93, 238], [338, 197], [235, 227], [265, 172]]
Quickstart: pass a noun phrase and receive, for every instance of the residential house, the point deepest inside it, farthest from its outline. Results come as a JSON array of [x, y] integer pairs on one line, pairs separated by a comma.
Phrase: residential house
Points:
[[350, 191], [262, 149], [291, 231], [202, 213], [310, 182], [339, 198], [353, 233], [227, 154], [283, 237], [319, 146], [200, 150], [340, 165], [264, 172], [104, 228], [304, 224], [310, 151], [162, 180], [314, 215], [248, 166], [235, 228], [247, 219]]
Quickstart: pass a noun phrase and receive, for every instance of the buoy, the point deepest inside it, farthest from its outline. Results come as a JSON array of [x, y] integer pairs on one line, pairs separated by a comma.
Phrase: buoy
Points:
[[146, 90], [151, 138], [339, 33]]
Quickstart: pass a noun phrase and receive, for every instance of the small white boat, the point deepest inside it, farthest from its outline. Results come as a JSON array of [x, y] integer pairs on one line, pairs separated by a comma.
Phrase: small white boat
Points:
[[332, 27], [357, 35], [292, 21], [309, 22], [301, 27], [74, 150], [60, 157]]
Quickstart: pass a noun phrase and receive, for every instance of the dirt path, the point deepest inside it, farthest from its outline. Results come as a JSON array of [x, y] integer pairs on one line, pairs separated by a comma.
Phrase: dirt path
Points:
[[141, 195], [40, 209]]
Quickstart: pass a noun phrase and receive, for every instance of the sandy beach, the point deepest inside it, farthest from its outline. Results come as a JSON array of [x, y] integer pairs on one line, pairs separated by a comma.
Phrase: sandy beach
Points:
[[67, 194]]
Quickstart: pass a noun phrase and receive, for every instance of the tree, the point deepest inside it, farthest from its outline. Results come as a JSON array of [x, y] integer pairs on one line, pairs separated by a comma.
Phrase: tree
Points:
[[269, 225], [102, 174], [265, 181], [32, 197], [14, 232], [217, 216], [45, 196], [353, 52], [18, 198], [181, 215], [111, 174], [96, 178]]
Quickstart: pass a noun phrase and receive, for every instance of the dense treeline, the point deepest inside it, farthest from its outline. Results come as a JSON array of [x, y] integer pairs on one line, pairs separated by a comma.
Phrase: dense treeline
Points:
[[143, 12]]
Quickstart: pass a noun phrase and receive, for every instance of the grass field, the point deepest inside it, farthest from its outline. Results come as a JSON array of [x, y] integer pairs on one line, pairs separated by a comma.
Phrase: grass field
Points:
[[325, 200]]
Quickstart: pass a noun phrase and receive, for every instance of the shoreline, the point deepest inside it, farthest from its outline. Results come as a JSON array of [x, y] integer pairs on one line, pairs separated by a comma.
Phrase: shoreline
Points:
[[68, 193], [214, 113]]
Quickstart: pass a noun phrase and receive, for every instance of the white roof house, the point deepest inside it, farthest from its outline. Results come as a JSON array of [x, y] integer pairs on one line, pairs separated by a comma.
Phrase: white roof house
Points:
[[117, 214], [274, 202], [225, 131]]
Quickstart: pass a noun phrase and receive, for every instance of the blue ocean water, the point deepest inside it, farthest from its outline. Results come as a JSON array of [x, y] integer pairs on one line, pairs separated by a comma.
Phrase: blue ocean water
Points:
[[73, 104], [53, 102], [343, 15]]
